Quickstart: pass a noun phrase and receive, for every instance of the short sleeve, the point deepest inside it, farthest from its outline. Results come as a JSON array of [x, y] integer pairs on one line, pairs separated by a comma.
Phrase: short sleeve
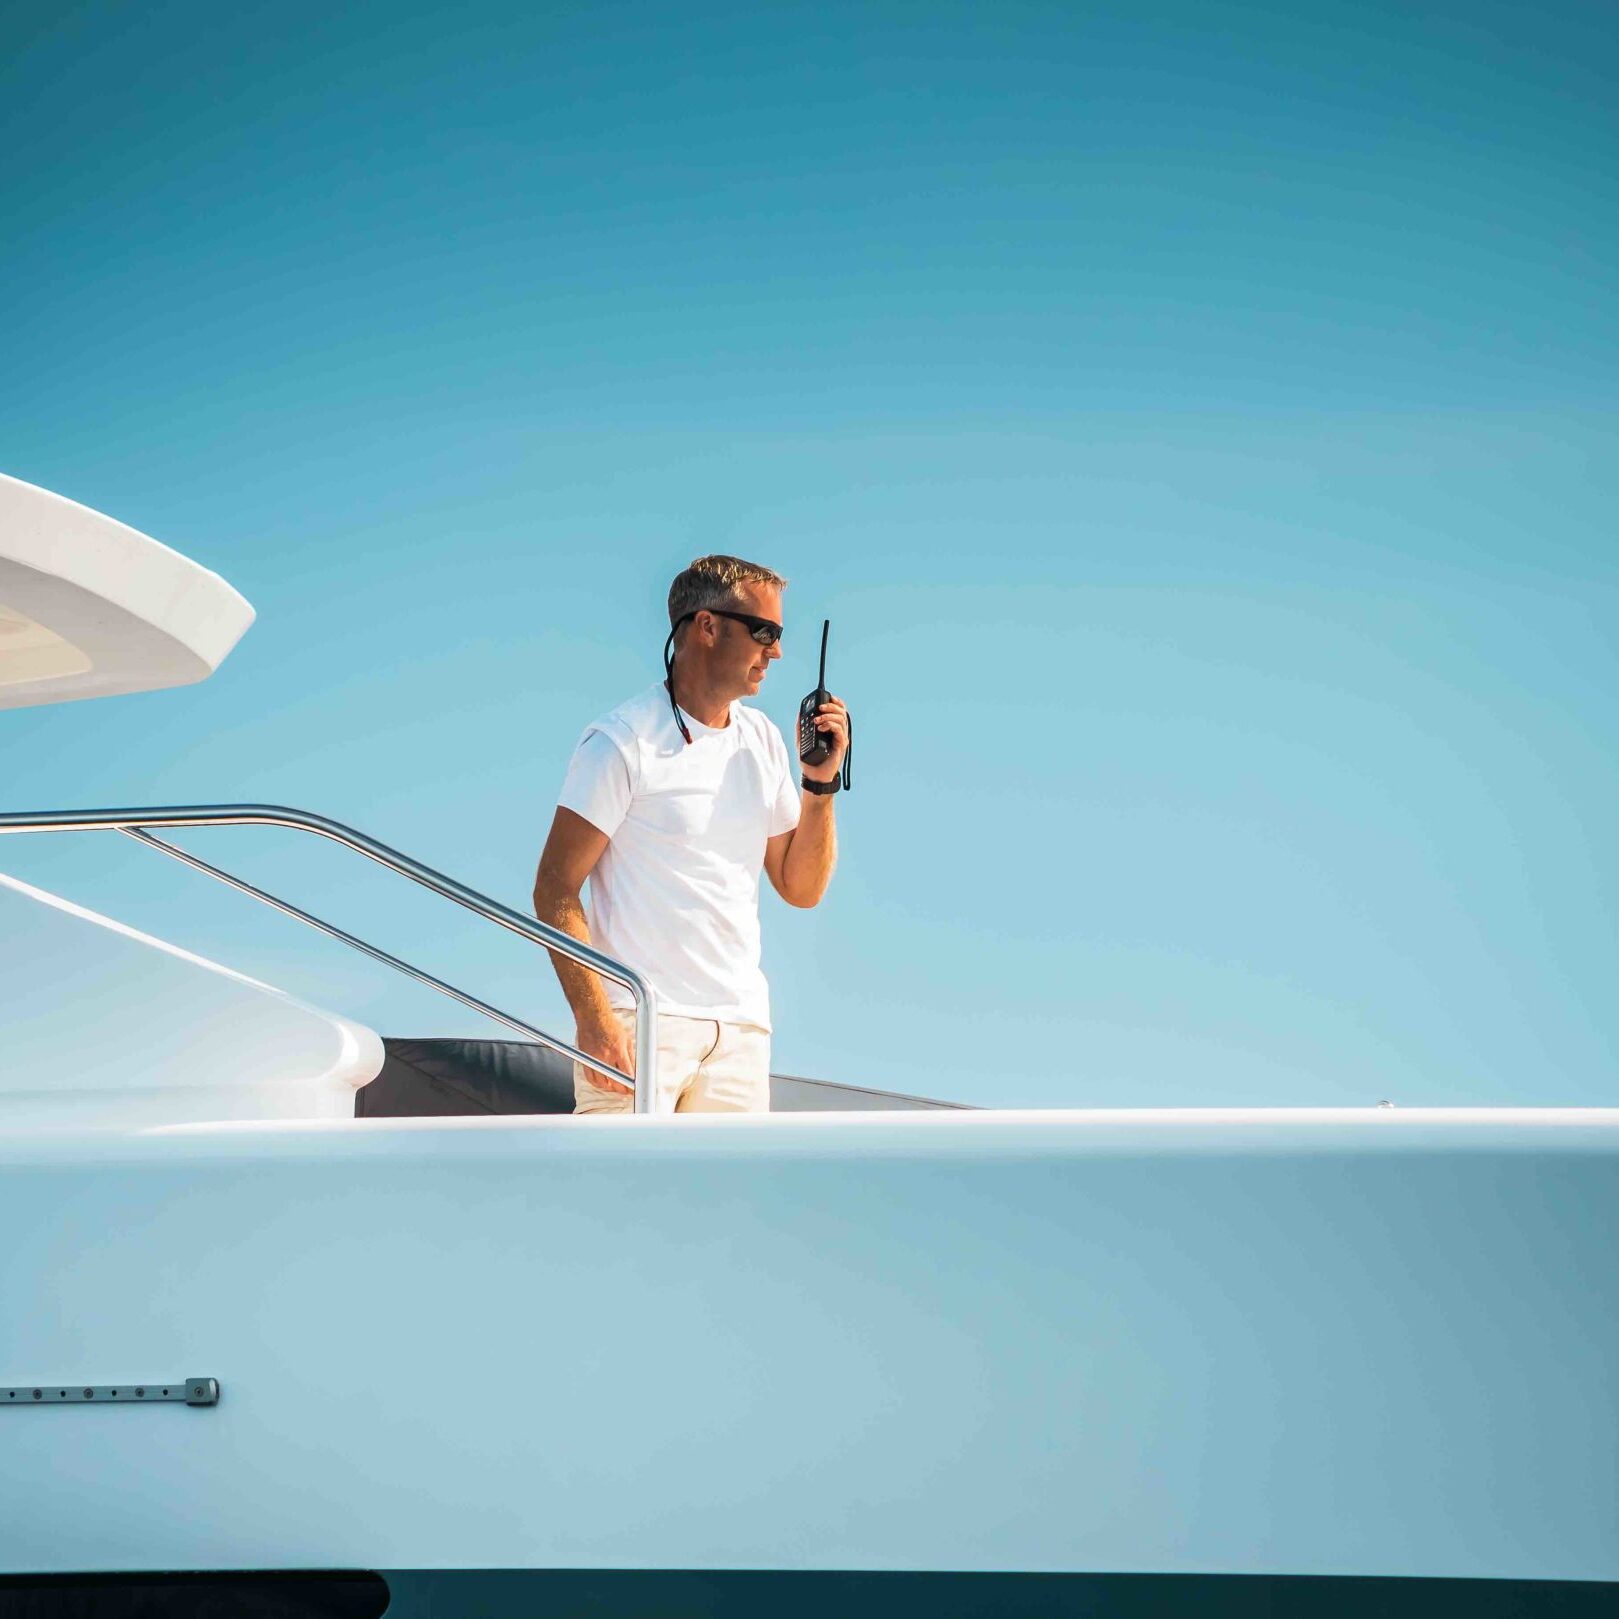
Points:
[[784, 806], [597, 785]]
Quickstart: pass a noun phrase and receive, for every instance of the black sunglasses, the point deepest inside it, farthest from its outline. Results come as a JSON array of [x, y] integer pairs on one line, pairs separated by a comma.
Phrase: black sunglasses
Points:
[[766, 631]]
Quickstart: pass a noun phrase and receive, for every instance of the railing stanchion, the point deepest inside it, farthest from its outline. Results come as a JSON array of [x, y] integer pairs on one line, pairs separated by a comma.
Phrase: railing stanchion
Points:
[[133, 821]]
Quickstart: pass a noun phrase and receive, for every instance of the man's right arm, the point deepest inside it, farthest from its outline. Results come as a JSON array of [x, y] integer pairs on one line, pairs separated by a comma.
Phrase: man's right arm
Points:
[[571, 853]]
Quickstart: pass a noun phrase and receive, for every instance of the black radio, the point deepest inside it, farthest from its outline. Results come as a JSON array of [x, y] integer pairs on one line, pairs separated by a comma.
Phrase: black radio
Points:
[[815, 747]]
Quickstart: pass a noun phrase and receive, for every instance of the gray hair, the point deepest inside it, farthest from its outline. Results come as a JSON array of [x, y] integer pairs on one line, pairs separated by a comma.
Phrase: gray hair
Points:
[[711, 582]]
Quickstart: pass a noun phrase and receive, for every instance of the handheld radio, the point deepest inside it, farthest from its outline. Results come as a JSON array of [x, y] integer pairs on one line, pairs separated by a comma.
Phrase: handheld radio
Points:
[[814, 747]]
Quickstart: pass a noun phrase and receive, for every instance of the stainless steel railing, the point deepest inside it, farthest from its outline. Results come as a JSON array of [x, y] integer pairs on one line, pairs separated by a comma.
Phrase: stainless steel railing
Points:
[[135, 823]]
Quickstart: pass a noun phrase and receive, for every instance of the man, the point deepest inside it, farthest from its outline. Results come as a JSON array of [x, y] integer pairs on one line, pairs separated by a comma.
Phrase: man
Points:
[[672, 804]]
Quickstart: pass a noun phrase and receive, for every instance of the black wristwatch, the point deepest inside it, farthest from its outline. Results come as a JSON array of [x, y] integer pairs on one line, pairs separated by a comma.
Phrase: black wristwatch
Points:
[[820, 788]]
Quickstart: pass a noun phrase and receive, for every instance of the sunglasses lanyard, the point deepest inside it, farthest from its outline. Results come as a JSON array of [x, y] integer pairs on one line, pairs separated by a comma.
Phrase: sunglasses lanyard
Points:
[[669, 678]]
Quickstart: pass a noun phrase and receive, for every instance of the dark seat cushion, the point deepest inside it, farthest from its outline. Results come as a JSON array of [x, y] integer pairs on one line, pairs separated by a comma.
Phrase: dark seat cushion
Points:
[[426, 1078]]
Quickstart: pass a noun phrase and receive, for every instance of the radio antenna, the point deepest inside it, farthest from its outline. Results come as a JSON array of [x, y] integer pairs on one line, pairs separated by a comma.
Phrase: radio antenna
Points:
[[826, 624]]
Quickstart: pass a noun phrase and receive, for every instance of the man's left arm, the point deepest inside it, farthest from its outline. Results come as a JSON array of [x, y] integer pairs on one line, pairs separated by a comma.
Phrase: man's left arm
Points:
[[799, 863]]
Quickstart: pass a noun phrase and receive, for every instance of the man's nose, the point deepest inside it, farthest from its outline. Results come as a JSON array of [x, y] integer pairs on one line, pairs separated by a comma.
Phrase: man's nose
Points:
[[773, 651]]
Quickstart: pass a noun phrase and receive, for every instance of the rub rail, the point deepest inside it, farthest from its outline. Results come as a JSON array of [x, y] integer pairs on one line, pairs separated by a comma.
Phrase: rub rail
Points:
[[137, 824]]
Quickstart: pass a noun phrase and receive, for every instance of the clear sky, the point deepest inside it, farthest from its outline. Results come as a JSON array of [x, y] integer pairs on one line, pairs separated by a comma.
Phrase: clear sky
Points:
[[1197, 420]]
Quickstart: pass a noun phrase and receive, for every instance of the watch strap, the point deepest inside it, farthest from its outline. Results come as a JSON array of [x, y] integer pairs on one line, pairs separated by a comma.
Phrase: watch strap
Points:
[[820, 788]]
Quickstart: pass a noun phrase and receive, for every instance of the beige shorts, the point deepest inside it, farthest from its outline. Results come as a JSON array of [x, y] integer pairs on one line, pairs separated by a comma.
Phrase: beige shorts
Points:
[[704, 1066]]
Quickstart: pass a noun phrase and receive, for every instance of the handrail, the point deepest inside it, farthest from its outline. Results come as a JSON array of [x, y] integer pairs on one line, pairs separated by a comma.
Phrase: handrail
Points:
[[133, 822], [353, 941]]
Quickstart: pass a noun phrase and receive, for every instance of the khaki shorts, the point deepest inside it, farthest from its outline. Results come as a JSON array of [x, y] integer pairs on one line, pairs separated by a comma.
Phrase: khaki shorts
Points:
[[704, 1066]]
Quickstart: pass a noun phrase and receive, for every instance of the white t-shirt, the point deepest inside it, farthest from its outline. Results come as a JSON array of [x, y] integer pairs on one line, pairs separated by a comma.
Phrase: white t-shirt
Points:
[[676, 892]]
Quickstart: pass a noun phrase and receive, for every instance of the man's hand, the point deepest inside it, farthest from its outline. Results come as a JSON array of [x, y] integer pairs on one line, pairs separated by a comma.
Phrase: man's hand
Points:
[[831, 719], [612, 1044], [799, 863]]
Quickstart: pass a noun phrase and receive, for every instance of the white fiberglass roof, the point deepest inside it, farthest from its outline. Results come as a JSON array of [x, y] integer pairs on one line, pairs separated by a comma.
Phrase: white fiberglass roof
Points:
[[89, 607]]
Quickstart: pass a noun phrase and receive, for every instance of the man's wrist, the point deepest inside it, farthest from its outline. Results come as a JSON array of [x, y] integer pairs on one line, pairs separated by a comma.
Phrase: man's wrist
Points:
[[821, 789], [594, 1022]]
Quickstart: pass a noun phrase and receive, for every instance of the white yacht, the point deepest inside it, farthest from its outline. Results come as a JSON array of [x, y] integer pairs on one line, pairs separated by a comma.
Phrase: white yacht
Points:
[[297, 1320]]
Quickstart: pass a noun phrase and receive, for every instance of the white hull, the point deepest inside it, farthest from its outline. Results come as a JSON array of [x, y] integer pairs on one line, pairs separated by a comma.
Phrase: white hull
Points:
[[1369, 1343]]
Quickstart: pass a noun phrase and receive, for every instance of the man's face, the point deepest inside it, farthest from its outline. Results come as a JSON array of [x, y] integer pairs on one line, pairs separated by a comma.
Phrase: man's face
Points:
[[738, 658]]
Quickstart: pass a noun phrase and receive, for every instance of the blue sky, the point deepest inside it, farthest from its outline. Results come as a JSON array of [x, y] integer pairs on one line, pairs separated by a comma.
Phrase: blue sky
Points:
[[1197, 422]]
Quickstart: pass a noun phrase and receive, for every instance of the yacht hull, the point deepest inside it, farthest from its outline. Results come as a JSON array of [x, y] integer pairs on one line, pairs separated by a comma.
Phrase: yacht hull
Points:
[[749, 1594], [1041, 1350]]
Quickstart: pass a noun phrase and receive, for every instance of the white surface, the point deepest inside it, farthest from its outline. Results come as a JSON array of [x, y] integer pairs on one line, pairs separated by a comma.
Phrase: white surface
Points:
[[91, 608], [1349, 1342], [106, 1027]]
